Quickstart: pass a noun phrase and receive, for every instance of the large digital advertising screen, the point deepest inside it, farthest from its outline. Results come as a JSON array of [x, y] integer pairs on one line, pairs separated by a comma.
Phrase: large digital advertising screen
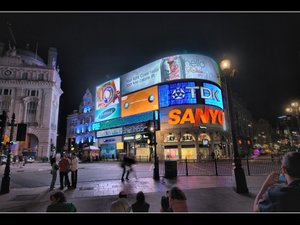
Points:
[[139, 102], [142, 77], [201, 67], [212, 95], [108, 100], [177, 94]]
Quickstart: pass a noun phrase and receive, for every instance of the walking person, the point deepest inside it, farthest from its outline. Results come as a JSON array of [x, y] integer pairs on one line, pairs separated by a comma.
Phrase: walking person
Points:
[[74, 169], [274, 197], [140, 205], [127, 166], [54, 169], [64, 167]]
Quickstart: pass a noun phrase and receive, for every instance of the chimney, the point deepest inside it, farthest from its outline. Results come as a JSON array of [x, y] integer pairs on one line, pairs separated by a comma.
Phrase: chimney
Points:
[[52, 58]]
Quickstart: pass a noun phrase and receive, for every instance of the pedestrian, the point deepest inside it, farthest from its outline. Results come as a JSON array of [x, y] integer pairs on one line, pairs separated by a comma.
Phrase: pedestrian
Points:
[[121, 204], [59, 204], [54, 169], [178, 200], [164, 202], [74, 169], [20, 161], [274, 197], [140, 205], [126, 164], [64, 167]]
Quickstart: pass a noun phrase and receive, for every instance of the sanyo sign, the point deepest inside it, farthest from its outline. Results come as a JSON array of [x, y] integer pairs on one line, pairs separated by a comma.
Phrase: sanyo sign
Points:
[[211, 94]]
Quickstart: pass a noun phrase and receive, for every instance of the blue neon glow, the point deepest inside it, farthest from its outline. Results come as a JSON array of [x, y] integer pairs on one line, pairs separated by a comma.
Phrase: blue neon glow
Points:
[[212, 95], [176, 94]]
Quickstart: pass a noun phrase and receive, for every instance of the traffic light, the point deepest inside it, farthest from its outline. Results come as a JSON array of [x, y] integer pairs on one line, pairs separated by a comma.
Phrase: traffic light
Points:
[[73, 143], [21, 132], [150, 138], [69, 144], [240, 141], [248, 142]]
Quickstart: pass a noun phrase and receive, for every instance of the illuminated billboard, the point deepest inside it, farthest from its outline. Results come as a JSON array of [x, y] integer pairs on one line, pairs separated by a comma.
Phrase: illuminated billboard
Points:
[[142, 77], [172, 68], [212, 95], [108, 100], [185, 66], [139, 102], [193, 115], [200, 67], [176, 94]]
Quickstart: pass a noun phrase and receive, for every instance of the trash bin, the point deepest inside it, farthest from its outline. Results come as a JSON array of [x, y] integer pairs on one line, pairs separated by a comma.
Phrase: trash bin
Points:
[[170, 169]]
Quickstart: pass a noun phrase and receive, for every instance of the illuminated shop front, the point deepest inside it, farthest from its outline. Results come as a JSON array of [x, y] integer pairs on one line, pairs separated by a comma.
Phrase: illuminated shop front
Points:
[[181, 96]]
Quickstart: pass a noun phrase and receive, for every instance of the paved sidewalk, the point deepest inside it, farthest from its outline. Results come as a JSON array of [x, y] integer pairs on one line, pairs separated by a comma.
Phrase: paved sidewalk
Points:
[[204, 194]]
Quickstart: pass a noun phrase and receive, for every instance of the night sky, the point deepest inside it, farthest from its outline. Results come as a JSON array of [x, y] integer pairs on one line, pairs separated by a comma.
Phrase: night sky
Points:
[[95, 47]]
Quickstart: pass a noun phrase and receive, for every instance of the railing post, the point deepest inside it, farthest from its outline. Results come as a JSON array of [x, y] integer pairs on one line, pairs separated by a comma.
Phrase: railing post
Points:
[[186, 167], [248, 165], [216, 167]]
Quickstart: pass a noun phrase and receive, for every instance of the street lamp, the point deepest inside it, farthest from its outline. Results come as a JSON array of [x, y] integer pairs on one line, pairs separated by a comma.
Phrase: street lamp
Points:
[[240, 178], [294, 108], [152, 142]]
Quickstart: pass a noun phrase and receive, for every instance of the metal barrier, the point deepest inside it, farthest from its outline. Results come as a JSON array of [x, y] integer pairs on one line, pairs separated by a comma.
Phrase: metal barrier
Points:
[[223, 167]]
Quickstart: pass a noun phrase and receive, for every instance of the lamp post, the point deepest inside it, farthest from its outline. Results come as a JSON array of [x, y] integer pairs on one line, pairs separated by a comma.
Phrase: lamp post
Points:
[[6, 177], [239, 174], [294, 109], [153, 143]]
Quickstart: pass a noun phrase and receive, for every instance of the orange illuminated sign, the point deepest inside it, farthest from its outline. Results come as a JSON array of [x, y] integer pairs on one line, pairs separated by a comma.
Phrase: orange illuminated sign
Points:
[[196, 116], [139, 102]]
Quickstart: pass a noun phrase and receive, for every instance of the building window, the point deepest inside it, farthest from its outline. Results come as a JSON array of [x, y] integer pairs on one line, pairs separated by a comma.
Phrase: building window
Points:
[[41, 76], [24, 76], [31, 112], [5, 92], [32, 93], [4, 106]]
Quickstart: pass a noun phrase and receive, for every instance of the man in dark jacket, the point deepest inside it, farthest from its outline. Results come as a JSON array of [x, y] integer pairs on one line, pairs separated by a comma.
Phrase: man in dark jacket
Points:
[[127, 162], [274, 197]]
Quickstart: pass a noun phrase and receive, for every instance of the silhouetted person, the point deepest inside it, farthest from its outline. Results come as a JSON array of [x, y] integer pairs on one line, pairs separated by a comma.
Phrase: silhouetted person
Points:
[[177, 200], [164, 202], [74, 169], [274, 197], [54, 169], [126, 164], [140, 205], [59, 204], [64, 167]]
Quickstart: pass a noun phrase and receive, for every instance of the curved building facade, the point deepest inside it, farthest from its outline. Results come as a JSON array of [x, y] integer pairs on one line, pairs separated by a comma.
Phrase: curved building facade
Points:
[[179, 99]]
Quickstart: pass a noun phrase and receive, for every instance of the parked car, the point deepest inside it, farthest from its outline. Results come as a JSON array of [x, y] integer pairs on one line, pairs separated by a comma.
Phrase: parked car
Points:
[[29, 159], [3, 159]]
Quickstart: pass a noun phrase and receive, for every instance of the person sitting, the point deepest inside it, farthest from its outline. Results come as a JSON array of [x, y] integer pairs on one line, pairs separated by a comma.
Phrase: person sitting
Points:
[[59, 204], [273, 197], [164, 202], [140, 205], [177, 200], [120, 205]]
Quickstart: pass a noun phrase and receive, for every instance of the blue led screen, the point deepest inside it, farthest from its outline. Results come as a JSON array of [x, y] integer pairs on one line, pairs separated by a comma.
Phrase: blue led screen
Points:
[[177, 94], [212, 95]]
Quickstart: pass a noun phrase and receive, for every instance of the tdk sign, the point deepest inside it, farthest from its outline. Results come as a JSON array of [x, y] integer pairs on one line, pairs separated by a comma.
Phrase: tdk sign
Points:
[[211, 94]]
